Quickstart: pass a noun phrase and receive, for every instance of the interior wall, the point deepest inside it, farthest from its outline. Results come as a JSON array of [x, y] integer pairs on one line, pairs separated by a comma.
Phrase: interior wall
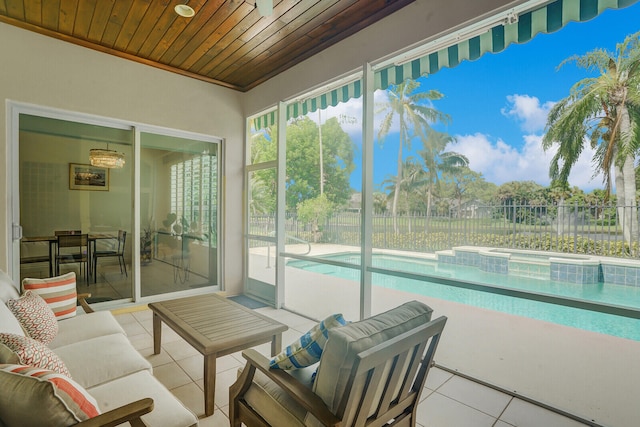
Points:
[[49, 204], [417, 22], [47, 72]]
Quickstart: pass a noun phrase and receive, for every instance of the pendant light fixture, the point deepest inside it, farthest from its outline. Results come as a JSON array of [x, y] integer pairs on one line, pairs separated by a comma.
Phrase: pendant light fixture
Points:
[[109, 159]]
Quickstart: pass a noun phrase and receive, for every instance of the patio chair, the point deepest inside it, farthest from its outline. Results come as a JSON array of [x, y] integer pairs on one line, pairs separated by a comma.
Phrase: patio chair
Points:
[[370, 372]]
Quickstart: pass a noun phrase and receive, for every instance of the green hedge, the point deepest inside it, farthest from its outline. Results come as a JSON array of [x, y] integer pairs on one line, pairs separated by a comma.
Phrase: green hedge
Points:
[[430, 242]]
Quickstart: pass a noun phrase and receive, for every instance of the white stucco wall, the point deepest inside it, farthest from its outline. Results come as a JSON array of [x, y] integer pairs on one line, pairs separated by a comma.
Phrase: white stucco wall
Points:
[[40, 70]]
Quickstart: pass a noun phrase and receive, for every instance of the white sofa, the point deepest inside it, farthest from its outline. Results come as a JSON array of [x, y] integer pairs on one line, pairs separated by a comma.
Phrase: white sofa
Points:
[[100, 359]]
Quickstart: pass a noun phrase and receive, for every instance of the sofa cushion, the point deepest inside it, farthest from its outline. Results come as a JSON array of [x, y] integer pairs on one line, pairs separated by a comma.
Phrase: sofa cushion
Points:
[[98, 360], [59, 292], [54, 399], [7, 289], [35, 316], [8, 356], [82, 328], [346, 342], [307, 350], [8, 322], [33, 353], [168, 410]]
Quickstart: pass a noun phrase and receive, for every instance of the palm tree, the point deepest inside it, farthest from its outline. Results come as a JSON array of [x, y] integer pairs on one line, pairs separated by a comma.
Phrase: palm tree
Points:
[[438, 161], [413, 177], [415, 115], [606, 111]]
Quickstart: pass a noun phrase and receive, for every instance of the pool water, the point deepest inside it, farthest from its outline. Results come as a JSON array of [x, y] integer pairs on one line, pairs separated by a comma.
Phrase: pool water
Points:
[[628, 296]]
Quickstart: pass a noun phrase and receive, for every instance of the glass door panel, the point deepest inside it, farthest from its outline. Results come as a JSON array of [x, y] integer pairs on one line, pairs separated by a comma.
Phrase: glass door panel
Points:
[[323, 205], [262, 258], [261, 181], [178, 213], [59, 190]]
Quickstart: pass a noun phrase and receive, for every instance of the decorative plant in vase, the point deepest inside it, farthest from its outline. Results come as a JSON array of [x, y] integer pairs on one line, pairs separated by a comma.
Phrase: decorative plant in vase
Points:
[[146, 245]]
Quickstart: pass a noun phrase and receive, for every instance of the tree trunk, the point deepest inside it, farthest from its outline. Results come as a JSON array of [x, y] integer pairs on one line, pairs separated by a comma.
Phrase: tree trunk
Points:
[[620, 199], [428, 209], [630, 219], [396, 194], [630, 222]]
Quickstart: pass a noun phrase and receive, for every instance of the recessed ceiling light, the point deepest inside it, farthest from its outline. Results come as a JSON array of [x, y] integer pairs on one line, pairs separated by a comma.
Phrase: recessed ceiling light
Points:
[[184, 10]]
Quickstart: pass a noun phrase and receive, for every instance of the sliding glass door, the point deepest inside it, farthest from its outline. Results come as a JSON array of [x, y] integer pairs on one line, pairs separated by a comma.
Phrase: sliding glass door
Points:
[[178, 213], [59, 191], [173, 248]]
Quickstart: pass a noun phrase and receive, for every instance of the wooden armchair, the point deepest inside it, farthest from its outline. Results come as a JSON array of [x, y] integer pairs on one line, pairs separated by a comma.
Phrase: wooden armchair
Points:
[[378, 385]]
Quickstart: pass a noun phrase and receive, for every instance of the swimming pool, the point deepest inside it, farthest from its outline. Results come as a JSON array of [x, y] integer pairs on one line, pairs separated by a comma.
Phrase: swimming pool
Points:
[[628, 296]]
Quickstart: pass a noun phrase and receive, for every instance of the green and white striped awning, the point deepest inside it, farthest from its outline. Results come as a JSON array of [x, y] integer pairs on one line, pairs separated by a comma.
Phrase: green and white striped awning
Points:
[[265, 120], [331, 98], [545, 19], [300, 108]]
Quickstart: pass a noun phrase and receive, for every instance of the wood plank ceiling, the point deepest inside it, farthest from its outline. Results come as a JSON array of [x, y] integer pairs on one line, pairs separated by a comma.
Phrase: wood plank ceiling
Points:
[[226, 42]]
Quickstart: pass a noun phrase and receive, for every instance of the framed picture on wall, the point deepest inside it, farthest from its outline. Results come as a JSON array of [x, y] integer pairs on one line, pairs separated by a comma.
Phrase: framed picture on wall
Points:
[[87, 177]]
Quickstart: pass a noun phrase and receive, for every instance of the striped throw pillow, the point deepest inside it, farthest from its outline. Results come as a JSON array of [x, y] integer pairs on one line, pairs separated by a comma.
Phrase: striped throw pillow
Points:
[[59, 292], [33, 353], [36, 396], [308, 348], [35, 316]]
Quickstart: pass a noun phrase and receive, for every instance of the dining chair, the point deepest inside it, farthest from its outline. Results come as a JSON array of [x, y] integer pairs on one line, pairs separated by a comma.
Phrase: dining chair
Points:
[[117, 252], [71, 249], [66, 232]]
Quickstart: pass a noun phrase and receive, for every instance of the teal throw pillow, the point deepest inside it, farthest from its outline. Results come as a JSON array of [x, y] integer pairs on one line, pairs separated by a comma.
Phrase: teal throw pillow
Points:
[[308, 348]]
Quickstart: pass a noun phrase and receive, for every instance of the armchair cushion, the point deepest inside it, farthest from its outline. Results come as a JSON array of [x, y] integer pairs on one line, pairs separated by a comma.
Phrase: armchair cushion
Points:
[[35, 316], [59, 292], [307, 350], [54, 399], [273, 403], [346, 342], [33, 353]]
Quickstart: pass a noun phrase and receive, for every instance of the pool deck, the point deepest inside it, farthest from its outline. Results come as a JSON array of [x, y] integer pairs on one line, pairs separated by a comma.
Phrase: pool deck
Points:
[[593, 376]]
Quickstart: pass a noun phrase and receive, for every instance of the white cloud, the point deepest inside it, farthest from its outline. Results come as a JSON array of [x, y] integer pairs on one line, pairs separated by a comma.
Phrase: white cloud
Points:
[[528, 111], [349, 113], [499, 162], [353, 109]]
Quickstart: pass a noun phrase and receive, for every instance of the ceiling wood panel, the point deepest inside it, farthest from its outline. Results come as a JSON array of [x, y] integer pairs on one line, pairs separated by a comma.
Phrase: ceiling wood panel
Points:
[[49, 14], [226, 42]]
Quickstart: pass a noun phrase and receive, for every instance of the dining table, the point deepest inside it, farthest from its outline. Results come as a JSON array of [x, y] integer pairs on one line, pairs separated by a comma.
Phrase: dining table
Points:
[[53, 240]]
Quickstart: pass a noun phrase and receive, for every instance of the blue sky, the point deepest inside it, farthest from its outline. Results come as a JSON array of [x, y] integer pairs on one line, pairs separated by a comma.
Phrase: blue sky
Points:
[[498, 104]]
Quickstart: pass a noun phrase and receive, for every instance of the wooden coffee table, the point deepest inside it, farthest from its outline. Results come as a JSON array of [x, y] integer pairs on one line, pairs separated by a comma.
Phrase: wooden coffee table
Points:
[[215, 326]]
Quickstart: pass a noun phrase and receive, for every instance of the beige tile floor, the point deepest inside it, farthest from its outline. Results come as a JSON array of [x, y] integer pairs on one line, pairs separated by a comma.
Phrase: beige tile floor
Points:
[[448, 401]]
